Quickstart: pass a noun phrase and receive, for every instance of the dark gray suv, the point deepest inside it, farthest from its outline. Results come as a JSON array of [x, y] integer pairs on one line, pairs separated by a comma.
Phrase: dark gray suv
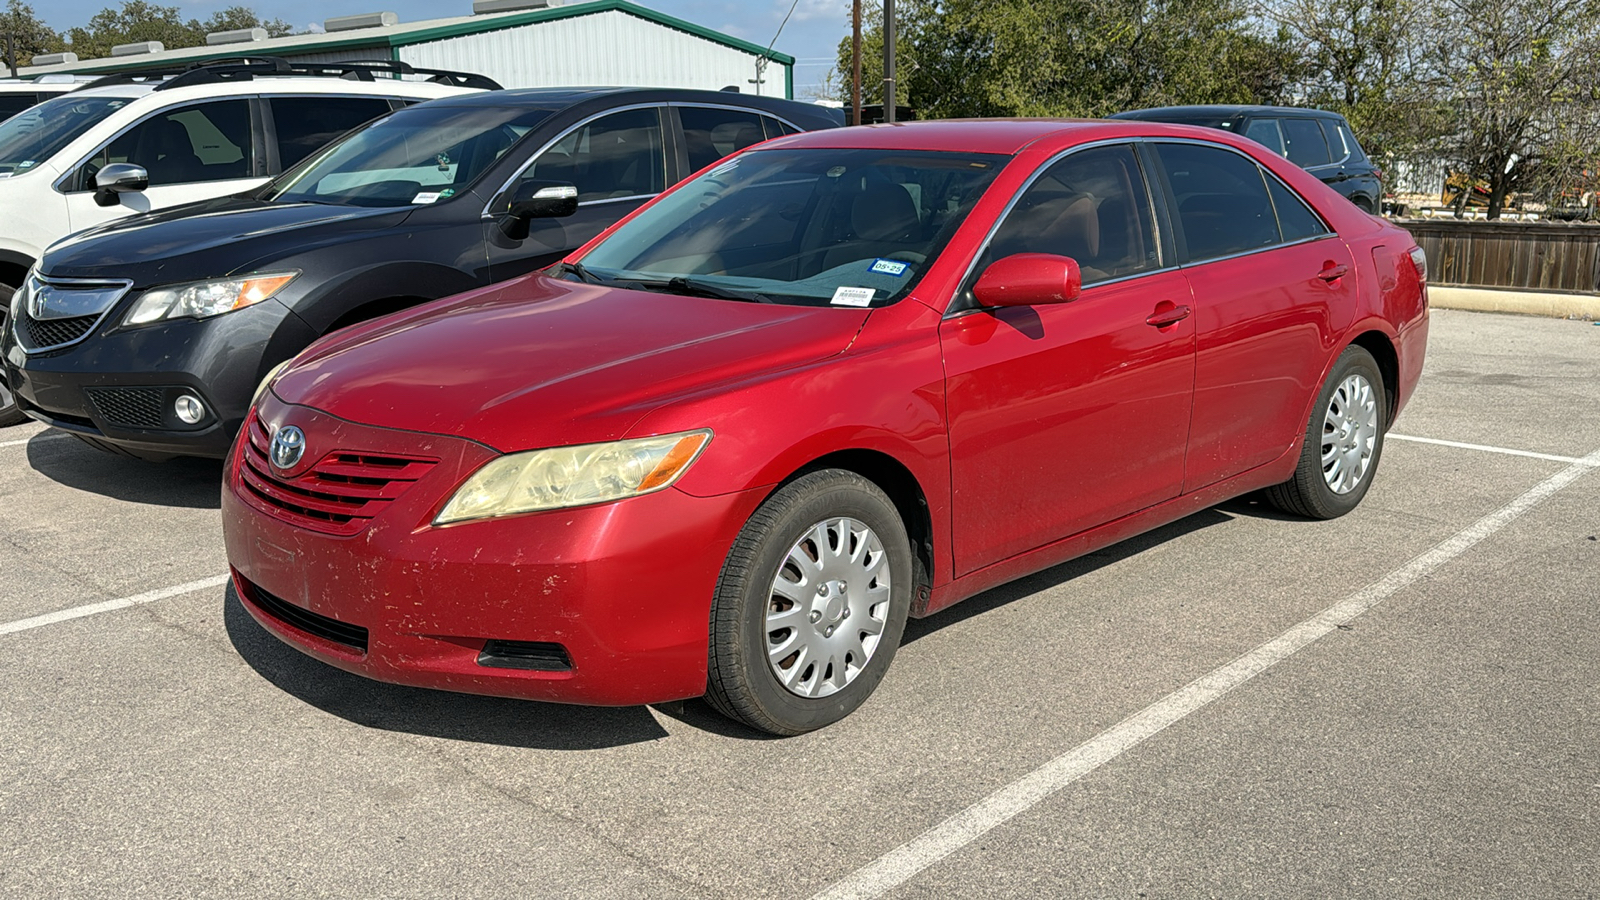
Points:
[[1319, 142]]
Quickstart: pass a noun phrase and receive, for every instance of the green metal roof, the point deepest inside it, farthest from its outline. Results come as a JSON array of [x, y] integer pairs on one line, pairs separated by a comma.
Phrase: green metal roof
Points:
[[405, 34]]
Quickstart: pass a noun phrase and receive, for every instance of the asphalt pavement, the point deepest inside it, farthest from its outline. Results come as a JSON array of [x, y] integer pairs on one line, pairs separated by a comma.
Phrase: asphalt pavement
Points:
[[1398, 703]]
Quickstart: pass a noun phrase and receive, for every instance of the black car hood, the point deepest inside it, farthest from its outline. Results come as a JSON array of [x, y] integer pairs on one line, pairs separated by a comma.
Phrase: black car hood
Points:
[[210, 239]]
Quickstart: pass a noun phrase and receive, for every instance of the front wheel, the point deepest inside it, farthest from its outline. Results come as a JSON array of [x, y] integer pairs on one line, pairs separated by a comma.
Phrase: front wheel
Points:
[[10, 413], [1344, 441], [810, 605]]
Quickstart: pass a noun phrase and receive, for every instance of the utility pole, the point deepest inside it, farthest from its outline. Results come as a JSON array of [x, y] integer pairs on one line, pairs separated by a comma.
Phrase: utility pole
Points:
[[855, 63], [11, 53], [888, 61]]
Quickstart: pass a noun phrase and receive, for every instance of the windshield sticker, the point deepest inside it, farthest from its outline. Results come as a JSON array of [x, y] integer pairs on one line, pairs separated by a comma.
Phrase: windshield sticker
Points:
[[889, 267], [426, 197], [443, 160], [27, 164], [853, 296], [447, 193]]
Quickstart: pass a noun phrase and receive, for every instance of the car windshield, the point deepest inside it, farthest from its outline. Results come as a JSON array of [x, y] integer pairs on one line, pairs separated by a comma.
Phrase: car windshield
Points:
[[415, 156], [803, 226], [34, 135]]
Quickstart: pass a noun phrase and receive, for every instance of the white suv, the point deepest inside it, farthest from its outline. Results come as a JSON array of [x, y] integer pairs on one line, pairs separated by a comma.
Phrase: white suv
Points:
[[17, 95], [132, 143]]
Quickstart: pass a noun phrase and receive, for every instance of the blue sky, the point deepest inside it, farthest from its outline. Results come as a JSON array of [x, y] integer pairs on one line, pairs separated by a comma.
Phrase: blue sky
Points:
[[812, 34]]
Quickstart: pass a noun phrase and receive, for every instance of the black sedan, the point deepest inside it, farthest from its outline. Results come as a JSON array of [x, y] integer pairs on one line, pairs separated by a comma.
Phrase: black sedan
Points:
[[147, 337]]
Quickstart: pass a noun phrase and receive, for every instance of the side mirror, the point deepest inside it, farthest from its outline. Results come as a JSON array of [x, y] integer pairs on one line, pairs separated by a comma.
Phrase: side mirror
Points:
[[537, 200], [119, 178], [1029, 279]]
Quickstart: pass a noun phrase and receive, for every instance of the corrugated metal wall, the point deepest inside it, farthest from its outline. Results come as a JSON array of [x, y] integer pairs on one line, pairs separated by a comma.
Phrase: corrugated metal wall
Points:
[[604, 49]]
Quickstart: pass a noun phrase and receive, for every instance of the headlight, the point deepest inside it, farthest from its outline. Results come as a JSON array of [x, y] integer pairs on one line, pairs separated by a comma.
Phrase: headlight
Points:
[[205, 298], [267, 381], [574, 476]]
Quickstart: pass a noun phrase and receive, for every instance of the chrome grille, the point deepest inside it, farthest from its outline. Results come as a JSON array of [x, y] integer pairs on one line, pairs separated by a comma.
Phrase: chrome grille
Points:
[[51, 333], [57, 313]]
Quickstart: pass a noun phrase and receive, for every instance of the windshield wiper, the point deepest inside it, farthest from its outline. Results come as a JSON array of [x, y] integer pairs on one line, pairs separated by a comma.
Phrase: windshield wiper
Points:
[[693, 287], [583, 274]]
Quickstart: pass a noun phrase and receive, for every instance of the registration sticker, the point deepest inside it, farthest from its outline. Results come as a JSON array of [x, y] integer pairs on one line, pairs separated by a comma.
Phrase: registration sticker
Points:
[[853, 296], [890, 267], [426, 197]]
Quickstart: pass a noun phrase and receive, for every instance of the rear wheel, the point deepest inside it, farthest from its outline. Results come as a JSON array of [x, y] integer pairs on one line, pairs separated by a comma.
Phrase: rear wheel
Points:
[[10, 414], [810, 605], [1344, 441]]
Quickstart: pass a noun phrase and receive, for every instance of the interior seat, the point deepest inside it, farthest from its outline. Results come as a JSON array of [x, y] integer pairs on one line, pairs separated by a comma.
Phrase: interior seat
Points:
[[883, 221]]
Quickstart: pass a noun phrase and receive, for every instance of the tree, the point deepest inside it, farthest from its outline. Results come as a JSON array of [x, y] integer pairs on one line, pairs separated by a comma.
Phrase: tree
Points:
[[1520, 90], [1363, 59], [1077, 57], [141, 20], [32, 36]]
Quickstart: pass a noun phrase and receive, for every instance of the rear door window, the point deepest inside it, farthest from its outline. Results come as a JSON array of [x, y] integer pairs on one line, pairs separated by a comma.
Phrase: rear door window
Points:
[[306, 124], [709, 134], [1266, 133], [1222, 202], [1305, 145]]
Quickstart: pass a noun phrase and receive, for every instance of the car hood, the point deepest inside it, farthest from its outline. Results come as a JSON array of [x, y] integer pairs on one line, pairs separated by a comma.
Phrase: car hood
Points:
[[538, 362], [209, 239]]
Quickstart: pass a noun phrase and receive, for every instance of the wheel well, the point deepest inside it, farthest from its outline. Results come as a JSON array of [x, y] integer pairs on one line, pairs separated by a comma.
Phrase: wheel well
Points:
[[11, 274], [373, 310], [897, 481], [1382, 350]]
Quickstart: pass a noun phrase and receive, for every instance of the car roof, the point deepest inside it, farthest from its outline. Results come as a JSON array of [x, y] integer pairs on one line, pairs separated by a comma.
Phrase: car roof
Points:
[[295, 84], [1007, 136], [559, 97], [1224, 110]]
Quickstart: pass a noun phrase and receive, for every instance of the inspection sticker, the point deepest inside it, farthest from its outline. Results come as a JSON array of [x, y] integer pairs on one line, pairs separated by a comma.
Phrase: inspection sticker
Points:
[[853, 296], [426, 197], [890, 267]]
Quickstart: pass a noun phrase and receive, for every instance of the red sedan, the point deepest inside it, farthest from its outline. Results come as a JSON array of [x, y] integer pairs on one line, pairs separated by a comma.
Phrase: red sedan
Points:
[[837, 380]]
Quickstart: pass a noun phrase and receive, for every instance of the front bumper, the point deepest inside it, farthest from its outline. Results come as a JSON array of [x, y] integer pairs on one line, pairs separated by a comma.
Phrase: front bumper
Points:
[[624, 589], [116, 389]]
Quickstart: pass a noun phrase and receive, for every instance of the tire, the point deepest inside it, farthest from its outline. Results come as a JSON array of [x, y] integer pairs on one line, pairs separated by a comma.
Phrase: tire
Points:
[[1365, 206], [10, 414], [826, 509], [1350, 417]]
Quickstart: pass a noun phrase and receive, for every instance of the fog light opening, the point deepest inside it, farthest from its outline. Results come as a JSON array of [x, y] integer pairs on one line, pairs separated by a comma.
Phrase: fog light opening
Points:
[[189, 409]]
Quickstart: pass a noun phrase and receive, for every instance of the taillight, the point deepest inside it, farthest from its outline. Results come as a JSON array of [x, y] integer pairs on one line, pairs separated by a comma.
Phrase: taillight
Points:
[[1419, 261]]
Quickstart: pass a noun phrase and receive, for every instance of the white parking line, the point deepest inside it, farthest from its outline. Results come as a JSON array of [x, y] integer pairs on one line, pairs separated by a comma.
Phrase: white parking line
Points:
[[1570, 460], [903, 863], [40, 436], [78, 612]]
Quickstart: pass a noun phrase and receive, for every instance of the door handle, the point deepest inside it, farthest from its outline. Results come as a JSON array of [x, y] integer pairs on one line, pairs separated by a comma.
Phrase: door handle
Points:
[[1334, 273], [1170, 315]]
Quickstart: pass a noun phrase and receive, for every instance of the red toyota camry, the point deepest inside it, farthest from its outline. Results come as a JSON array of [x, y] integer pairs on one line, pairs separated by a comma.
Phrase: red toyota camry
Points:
[[837, 380]]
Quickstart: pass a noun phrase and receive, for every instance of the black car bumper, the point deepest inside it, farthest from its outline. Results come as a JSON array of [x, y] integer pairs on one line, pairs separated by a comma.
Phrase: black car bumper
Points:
[[118, 388]]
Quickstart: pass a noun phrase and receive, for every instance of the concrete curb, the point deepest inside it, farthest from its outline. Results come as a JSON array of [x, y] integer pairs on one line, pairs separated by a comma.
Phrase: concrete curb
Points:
[[1527, 303]]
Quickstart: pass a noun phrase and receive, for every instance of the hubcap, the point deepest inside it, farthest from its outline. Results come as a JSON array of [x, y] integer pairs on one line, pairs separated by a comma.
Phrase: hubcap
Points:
[[1349, 433], [828, 606]]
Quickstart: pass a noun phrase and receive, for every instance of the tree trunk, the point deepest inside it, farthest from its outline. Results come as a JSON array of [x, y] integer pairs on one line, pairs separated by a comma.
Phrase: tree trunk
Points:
[[1498, 188]]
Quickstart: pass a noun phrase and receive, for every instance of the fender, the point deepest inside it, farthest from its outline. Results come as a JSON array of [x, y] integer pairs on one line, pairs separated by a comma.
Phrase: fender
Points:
[[336, 297]]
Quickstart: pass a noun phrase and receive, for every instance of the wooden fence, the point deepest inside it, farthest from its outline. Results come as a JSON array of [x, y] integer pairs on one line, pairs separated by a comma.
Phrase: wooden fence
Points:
[[1534, 256]]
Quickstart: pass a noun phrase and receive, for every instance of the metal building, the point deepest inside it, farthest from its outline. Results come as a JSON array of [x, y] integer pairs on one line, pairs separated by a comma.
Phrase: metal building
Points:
[[519, 43]]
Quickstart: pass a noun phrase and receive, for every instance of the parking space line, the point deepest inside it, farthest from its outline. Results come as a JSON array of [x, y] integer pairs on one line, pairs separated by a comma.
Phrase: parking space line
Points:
[[91, 609], [906, 861], [41, 436], [1570, 460]]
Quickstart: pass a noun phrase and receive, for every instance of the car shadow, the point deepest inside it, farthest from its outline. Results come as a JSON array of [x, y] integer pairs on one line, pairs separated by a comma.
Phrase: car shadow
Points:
[[1057, 575], [459, 717], [187, 483]]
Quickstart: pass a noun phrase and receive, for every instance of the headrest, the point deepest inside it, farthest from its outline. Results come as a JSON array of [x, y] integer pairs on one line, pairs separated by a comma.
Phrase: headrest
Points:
[[884, 212]]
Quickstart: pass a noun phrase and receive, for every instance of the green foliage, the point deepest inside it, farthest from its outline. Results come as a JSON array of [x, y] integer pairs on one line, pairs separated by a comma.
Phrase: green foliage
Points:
[[1075, 57], [32, 36]]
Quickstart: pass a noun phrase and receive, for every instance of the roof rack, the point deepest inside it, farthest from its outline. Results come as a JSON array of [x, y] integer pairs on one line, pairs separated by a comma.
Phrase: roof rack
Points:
[[246, 68]]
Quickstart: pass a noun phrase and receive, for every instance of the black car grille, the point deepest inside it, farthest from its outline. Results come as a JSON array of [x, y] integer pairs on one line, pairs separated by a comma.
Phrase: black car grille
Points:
[[129, 407], [314, 624], [44, 334]]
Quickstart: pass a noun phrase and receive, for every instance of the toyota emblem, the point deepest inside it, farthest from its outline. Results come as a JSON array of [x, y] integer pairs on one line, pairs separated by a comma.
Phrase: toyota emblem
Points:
[[288, 445]]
